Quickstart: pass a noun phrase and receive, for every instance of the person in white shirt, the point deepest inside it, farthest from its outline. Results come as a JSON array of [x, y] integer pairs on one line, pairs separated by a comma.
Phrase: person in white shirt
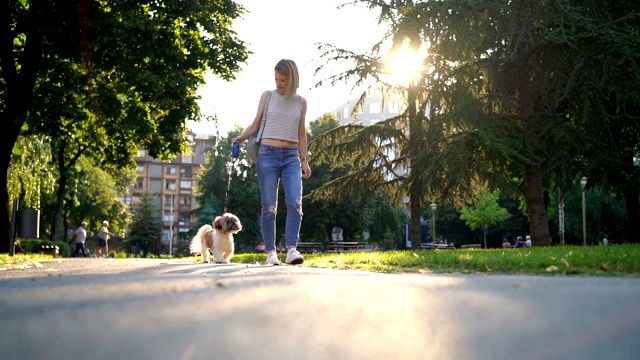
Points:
[[80, 236]]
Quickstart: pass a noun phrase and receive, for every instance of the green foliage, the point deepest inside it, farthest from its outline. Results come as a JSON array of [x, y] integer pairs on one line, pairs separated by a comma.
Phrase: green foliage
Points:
[[145, 231], [92, 196], [484, 212], [30, 173]]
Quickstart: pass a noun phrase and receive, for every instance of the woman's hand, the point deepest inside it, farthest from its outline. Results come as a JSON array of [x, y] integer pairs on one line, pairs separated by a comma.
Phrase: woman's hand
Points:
[[306, 170]]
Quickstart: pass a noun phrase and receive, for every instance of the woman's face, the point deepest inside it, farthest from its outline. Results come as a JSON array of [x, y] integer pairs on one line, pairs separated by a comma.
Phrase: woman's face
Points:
[[281, 81]]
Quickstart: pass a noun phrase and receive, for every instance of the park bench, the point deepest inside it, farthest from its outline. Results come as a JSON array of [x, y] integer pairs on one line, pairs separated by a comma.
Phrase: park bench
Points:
[[432, 246], [309, 247], [344, 246], [471, 246], [52, 250]]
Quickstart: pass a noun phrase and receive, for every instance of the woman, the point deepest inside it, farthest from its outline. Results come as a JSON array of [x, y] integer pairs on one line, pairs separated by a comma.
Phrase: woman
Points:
[[281, 157]]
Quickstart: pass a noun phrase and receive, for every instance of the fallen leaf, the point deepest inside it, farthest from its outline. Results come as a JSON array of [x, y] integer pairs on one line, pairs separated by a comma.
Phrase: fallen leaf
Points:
[[552, 257], [529, 253], [338, 261], [570, 253], [416, 255], [51, 270], [487, 266], [424, 271], [376, 261], [552, 268], [604, 267], [566, 263]]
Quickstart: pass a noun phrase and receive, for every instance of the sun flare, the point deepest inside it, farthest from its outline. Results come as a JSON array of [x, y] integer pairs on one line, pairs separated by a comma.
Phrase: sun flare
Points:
[[403, 65]]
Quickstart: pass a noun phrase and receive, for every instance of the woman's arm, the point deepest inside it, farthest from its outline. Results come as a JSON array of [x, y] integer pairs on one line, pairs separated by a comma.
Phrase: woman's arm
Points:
[[302, 141], [255, 125]]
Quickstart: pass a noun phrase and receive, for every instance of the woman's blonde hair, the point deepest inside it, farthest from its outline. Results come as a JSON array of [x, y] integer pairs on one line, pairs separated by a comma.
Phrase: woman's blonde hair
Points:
[[289, 69]]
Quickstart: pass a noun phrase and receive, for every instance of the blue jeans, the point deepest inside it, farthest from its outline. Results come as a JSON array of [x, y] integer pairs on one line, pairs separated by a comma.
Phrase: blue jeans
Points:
[[277, 164]]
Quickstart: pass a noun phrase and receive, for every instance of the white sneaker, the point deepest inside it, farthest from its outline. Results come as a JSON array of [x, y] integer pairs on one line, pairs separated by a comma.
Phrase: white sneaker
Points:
[[294, 257], [272, 258]]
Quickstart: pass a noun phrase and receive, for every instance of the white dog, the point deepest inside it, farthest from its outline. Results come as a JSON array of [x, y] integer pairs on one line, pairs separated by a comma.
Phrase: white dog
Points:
[[217, 239]]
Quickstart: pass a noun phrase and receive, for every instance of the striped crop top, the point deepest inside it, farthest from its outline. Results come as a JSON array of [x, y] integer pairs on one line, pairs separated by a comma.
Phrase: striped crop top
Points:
[[283, 118]]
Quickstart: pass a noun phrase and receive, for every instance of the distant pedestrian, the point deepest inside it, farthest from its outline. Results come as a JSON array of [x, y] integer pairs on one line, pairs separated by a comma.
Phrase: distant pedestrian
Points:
[[80, 236], [519, 242], [527, 242], [505, 243], [103, 238], [260, 247]]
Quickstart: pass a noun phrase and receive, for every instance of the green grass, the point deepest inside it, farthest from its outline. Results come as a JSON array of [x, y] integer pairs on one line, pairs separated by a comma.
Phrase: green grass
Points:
[[613, 260]]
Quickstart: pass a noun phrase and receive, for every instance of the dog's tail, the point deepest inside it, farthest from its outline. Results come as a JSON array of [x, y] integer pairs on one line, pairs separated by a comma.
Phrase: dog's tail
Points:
[[196, 242]]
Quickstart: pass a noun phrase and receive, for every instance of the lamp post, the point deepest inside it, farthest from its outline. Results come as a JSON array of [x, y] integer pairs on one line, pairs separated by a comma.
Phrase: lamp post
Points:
[[583, 183], [433, 221]]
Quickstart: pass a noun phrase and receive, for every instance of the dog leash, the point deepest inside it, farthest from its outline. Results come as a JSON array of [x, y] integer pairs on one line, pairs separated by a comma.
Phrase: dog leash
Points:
[[235, 152]]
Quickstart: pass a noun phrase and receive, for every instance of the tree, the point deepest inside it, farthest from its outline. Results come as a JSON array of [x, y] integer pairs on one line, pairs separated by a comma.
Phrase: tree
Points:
[[146, 229], [127, 72], [484, 212], [502, 95]]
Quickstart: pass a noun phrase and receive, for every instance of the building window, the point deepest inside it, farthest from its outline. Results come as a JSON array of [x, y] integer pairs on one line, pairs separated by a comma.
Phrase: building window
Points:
[[171, 170], [185, 184], [140, 169], [168, 216], [345, 112], [170, 185], [142, 152], [156, 171], [187, 159], [167, 200], [155, 186], [185, 200], [374, 108], [139, 183], [166, 235], [393, 108], [185, 171]]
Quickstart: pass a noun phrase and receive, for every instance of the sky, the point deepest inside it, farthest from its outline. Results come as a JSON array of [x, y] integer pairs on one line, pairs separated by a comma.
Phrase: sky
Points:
[[287, 29]]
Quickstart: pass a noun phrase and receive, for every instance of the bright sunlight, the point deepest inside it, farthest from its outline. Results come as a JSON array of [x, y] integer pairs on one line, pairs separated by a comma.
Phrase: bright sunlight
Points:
[[403, 65]]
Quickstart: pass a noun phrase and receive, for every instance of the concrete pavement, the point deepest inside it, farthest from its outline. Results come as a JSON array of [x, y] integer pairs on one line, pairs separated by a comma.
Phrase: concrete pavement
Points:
[[154, 309]]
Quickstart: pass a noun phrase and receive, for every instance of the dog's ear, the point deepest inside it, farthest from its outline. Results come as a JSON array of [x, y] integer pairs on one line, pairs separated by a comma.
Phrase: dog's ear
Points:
[[217, 223]]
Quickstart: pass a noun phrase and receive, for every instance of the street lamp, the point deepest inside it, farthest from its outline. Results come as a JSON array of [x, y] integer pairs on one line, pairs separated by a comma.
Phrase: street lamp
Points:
[[583, 183], [433, 221]]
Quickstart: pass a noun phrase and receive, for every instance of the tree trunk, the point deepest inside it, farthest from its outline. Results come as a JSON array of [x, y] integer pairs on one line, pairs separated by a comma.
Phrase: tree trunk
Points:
[[415, 184], [632, 200], [535, 205], [17, 95], [62, 188], [484, 236], [416, 226], [8, 138]]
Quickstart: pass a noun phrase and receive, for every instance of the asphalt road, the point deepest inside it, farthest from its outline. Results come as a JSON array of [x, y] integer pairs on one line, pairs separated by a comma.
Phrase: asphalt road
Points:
[[155, 309]]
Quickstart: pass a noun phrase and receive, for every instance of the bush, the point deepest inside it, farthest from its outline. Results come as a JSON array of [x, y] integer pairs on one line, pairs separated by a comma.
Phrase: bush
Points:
[[34, 246]]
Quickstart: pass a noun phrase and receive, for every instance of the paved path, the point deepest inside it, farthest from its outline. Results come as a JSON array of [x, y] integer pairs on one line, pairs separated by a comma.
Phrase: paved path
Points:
[[154, 309]]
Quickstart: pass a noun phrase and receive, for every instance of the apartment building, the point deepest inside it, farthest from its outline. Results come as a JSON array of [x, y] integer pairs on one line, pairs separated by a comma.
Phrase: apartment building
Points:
[[372, 111], [173, 183]]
